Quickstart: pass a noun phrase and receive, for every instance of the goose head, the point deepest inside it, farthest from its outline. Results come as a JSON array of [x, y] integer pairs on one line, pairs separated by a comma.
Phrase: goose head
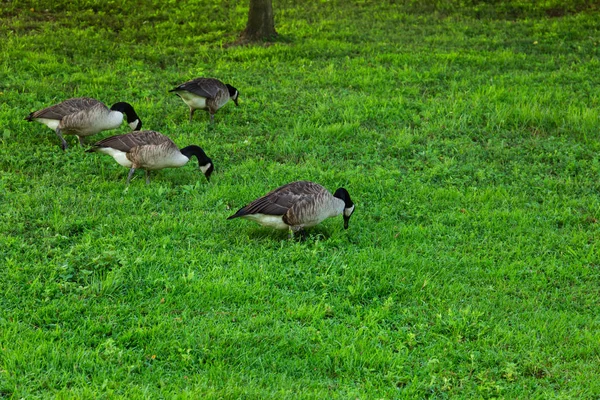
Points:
[[204, 162], [343, 195], [233, 94], [134, 122]]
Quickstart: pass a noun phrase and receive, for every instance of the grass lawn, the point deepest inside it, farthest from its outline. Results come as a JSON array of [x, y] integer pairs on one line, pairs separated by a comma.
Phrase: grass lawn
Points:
[[467, 137]]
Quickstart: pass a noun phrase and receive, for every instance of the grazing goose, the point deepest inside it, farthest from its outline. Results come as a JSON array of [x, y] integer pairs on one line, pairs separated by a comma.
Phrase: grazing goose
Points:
[[84, 116], [150, 150], [207, 94], [297, 205]]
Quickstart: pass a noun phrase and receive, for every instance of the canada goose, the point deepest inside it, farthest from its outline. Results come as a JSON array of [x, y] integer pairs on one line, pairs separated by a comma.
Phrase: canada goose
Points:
[[84, 116], [150, 150], [297, 205], [206, 94]]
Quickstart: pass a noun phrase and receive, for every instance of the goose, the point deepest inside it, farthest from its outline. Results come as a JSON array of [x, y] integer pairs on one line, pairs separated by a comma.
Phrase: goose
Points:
[[150, 150], [296, 206], [84, 116], [207, 94]]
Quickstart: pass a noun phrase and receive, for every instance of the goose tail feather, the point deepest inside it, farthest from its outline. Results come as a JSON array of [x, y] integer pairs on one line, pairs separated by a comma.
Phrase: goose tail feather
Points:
[[240, 213]]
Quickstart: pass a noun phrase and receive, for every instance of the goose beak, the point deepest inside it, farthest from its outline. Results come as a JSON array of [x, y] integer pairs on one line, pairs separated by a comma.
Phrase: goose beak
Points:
[[236, 102], [348, 211], [207, 174]]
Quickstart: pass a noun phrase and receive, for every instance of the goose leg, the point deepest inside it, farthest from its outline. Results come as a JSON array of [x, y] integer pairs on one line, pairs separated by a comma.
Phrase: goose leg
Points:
[[147, 176], [131, 171], [297, 230], [212, 117], [191, 113], [63, 143], [303, 235], [81, 142]]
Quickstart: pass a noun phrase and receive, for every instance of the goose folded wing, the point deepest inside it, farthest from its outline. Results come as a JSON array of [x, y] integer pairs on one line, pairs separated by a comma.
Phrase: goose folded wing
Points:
[[277, 202], [300, 211], [67, 107], [130, 140], [268, 206], [200, 87]]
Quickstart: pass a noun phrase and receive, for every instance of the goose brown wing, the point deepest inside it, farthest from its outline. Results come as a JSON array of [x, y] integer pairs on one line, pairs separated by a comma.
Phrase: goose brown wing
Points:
[[299, 211], [280, 200], [205, 87], [134, 139], [70, 106]]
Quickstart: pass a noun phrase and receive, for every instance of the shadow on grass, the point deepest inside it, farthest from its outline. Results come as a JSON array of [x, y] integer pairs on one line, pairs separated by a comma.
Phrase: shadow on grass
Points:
[[309, 235], [241, 42]]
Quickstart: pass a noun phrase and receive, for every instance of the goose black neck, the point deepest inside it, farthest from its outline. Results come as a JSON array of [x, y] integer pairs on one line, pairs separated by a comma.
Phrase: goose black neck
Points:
[[343, 195], [129, 112], [197, 151], [232, 91]]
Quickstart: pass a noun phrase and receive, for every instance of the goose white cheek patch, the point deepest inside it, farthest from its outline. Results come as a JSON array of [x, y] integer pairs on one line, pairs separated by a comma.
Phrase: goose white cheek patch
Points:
[[133, 124], [348, 211], [205, 168]]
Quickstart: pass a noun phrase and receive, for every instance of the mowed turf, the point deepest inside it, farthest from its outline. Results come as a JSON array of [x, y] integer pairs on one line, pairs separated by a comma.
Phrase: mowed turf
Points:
[[466, 136]]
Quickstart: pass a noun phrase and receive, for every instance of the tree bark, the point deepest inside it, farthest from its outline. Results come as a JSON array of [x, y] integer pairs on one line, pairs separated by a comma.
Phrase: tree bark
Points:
[[261, 25]]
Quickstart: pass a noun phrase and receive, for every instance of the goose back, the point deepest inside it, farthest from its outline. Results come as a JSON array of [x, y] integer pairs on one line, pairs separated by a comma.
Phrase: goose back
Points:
[[60, 110], [144, 149], [300, 204], [81, 116], [204, 93]]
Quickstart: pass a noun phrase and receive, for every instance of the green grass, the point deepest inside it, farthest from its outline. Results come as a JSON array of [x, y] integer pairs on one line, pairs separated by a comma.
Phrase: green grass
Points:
[[465, 132]]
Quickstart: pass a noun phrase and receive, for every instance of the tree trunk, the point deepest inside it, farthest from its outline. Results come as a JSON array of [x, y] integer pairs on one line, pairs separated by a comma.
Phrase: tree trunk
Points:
[[261, 25]]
